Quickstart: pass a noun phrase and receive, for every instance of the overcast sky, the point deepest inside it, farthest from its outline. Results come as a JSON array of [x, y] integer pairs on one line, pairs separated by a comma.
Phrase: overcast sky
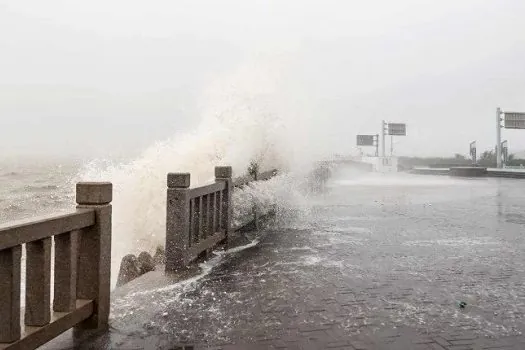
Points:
[[109, 77]]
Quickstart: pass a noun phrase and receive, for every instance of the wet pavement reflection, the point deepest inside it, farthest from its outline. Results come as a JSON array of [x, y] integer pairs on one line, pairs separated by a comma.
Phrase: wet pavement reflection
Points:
[[374, 262]]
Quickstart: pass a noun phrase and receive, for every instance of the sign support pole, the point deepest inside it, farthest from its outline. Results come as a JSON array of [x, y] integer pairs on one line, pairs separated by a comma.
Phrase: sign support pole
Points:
[[473, 152], [377, 145], [505, 152], [498, 138]]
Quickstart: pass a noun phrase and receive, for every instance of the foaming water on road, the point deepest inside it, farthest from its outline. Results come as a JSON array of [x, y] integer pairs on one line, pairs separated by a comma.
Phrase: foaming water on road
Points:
[[150, 306], [414, 246], [398, 180], [357, 266]]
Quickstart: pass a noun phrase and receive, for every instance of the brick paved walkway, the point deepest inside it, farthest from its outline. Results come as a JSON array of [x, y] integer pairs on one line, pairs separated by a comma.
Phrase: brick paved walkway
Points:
[[362, 274]]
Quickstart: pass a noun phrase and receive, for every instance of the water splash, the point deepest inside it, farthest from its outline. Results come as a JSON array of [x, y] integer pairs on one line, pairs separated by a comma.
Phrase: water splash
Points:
[[243, 121]]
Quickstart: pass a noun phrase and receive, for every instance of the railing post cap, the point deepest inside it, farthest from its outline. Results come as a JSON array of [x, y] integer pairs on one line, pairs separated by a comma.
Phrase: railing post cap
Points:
[[179, 180], [223, 172], [94, 193]]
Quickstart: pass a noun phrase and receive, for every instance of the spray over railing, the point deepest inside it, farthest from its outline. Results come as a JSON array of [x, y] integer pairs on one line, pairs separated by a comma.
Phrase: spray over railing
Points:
[[82, 260], [199, 219]]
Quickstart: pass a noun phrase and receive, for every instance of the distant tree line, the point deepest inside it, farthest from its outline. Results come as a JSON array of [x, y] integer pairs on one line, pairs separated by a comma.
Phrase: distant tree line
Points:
[[488, 159]]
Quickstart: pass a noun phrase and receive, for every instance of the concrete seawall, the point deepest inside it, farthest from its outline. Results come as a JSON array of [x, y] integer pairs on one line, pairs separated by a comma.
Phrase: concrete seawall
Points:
[[471, 172], [430, 171], [468, 171]]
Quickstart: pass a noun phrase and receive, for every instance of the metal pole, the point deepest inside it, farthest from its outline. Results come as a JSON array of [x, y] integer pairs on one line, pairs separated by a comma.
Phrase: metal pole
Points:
[[498, 138], [474, 152], [391, 145], [377, 145], [383, 139]]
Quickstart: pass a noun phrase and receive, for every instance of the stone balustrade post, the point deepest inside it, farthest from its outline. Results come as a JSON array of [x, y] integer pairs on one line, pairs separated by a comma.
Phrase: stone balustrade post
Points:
[[177, 220], [94, 256], [224, 173]]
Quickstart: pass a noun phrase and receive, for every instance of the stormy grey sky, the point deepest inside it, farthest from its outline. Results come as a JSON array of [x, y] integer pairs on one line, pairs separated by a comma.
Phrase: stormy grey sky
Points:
[[109, 77]]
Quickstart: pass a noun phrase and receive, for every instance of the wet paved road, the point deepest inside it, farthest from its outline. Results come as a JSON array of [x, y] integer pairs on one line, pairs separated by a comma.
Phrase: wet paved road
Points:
[[377, 263]]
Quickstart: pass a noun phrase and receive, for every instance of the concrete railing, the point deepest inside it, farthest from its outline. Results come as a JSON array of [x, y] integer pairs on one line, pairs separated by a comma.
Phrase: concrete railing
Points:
[[198, 219], [82, 261]]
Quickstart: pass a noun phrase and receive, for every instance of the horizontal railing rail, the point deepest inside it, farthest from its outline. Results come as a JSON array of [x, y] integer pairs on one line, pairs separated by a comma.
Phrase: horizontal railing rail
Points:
[[27, 231], [207, 189], [82, 256]]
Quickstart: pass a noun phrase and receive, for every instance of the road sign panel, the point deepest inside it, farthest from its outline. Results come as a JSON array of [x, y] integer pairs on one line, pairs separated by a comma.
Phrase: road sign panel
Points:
[[365, 140], [514, 120], [397, 129]]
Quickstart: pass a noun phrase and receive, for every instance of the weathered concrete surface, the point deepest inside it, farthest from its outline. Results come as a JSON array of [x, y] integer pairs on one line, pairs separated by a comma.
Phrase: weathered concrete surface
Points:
[[378, 263]]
